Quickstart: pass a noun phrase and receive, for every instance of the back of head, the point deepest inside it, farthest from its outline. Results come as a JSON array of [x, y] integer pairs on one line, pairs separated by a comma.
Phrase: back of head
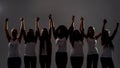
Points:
[[77, 35], [44, 33], [105, 39], [105, 36], [62, 31], [30, 35]]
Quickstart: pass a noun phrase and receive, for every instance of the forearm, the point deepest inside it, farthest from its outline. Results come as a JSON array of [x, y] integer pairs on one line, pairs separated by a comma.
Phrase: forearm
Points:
[[81, 24], [104, 23], [97, 36], [115, 31], [21, 31], [6, 30], [52, 27]]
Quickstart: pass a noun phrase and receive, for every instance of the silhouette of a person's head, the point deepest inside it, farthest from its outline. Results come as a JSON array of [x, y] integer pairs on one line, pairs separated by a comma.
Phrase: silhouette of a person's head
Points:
[[91, 31], [62, 31], [44, 33], [14, 33]]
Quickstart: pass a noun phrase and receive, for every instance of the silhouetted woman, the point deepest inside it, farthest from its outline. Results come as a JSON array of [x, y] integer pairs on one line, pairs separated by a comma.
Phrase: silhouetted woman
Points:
[[76, 40], [14, 40], [93, 55], [61, 36], [45, 51], [30, 39], [108, 47]]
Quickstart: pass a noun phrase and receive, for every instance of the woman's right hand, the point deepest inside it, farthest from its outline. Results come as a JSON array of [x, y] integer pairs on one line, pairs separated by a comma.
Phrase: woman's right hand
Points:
[[6, 20], [104, 21]]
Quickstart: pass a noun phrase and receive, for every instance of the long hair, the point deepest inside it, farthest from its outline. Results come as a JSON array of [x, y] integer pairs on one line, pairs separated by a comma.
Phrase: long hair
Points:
[[30, 36], [44, 38], [62, 31], [90, 31], [106, 40], [77, 35]]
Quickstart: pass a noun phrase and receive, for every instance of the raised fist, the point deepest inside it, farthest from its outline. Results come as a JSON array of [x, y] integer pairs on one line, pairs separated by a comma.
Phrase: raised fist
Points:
[[104, 21], [81, 18], [21, 19], [50, 16], [73, 18], [37, 19], [117, 23], [6, 20]]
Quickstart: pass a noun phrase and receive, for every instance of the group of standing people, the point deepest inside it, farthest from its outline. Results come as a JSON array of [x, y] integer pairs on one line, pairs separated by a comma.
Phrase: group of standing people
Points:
[[61, 34]]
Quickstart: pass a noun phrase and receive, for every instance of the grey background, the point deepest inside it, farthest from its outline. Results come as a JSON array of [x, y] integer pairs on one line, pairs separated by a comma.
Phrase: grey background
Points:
[[94, 11]]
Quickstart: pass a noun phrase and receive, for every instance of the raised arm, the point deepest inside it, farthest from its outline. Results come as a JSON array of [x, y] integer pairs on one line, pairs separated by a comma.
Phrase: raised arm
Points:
[[104, 23], [6, 30], [52, 26], [82, 27], [21, 29], [81, 24], [115, 31], [71, 29], [97, 36], [24, 32], [37, 31], [103, 28]]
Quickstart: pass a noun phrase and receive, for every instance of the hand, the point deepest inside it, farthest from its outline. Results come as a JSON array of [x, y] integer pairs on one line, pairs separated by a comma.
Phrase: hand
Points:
[[104, 21], [37, 19], [50, 16], [73, 18], [6, 20], [117, 23], [22, 19], [81, 18]]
